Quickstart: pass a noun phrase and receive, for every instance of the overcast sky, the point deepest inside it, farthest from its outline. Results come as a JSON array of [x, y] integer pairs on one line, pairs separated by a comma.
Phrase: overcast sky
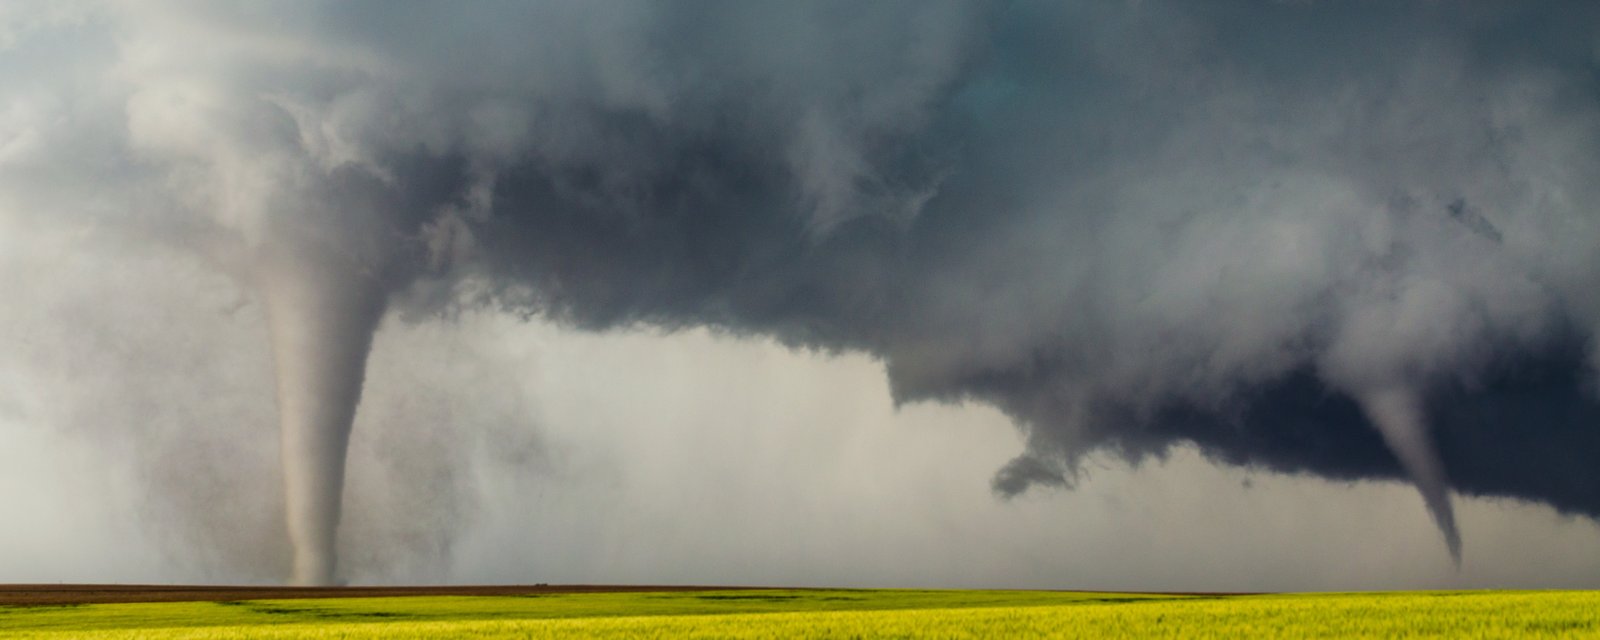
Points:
[[497, 450], [1155, 295]]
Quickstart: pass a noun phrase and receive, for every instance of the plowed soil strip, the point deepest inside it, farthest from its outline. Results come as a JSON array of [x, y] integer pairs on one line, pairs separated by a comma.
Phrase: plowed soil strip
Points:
[[70, 594]]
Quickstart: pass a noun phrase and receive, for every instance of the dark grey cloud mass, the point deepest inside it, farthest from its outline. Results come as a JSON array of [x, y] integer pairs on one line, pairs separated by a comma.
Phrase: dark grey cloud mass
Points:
[[1353, 240]]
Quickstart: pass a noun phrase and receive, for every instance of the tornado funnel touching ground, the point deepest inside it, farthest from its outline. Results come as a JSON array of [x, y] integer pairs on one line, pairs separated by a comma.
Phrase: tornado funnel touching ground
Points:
[[1397, 414], [322, 310]]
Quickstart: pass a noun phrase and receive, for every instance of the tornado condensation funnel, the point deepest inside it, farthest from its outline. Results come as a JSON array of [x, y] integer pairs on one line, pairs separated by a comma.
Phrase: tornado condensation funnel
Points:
[[322, 311]]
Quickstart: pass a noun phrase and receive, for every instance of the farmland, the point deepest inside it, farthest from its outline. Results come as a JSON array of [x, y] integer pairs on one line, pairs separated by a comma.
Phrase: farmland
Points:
[[781, 613]]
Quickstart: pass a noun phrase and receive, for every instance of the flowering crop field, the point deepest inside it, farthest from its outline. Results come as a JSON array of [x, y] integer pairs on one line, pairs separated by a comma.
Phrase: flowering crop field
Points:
[[835, 614]]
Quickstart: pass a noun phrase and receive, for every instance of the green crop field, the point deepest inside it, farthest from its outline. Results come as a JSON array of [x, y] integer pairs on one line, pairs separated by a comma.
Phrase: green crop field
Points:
[[834, 614]]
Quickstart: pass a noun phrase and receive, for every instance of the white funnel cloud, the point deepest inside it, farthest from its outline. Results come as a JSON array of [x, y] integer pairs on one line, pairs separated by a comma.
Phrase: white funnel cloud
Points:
[[1397, 414], [322, 310]]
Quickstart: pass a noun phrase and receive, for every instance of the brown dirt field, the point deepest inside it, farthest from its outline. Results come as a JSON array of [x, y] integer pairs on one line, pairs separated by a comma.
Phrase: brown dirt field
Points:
[[69, 594]]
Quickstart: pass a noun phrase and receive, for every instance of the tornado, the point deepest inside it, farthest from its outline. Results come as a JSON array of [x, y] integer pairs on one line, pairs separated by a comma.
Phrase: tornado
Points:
[[322, 310], [1398, 416]]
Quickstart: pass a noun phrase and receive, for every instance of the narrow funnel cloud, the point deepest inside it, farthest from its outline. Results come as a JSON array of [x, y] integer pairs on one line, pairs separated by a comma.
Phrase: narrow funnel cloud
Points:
[[1397, 414], [322, 311]]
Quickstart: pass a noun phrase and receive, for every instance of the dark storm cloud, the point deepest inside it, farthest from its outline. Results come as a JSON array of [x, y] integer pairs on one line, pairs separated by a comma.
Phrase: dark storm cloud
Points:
[[1137, 226], [1356, 240], [1147, 226]]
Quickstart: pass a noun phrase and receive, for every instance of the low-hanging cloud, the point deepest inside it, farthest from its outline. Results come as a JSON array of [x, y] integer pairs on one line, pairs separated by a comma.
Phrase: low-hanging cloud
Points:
[[1354, 241]]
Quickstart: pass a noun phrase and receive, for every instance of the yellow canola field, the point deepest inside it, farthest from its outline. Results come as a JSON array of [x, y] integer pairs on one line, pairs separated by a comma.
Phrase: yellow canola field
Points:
[[1399, 615]]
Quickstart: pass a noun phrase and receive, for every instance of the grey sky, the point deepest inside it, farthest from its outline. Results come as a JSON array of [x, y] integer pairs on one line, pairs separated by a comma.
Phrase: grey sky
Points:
[[495, 450], [1355, 242]]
